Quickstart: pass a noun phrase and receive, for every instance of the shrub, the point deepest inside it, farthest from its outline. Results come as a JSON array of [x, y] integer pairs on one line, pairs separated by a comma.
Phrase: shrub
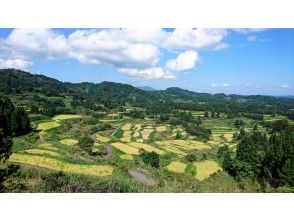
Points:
[[86, 142], [191, 157], [151, 159]]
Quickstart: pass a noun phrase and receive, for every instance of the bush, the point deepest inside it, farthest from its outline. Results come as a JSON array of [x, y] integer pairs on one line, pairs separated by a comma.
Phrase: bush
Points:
[[198, 131], [151, 159], [54, 181], [191, 157], [86, 142]]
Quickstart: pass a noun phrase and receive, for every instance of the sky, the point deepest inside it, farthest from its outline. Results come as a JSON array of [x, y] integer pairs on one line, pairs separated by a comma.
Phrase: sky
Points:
[[231, 61]]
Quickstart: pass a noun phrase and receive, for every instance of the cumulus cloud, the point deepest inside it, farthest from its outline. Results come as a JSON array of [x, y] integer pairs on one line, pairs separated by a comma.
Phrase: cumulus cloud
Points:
[[185, 61], [195, 39], [220, 85], [42, 43], [286, 86], [252, 38], [15, 63], [135, 52], [249, 30], [147, 74]]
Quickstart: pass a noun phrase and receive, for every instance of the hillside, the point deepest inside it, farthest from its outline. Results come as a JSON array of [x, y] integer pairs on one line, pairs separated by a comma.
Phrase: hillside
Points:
[[112, 137]]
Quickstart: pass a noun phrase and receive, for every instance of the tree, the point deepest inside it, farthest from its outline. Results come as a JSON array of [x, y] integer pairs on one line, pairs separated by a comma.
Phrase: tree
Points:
[[86, 142], [198, 131], [206, 115], [191, 157], [34, 109], [239, 123], [150, 158], [5, 146]]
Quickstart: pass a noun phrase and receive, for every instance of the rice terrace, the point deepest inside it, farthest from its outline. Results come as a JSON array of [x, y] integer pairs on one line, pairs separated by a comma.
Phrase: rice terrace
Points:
[[103, 136]]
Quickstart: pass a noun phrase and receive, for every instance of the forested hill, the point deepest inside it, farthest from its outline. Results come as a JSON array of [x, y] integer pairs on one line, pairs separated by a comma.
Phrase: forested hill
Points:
[[112, 95]]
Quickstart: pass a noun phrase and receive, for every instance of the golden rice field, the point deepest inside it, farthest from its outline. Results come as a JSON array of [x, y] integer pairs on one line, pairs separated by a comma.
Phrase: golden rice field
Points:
[[170, 148], [138, 127], [146, 132], [44, 126], [136, 134], [146, 147], [126, 157], [177, 167], [59, 165], [126, 137], [214, 142], [102, 138], [126, 148], [188, 145], [228, 136], [126, 127], [68, 141], [96, 148], [161, 128], [41, 152], [206, 168], [65, 117]]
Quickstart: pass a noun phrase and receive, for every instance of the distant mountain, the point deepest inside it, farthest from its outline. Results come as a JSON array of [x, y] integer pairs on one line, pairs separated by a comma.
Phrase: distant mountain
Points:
[[112, 95], [146, 88], [287, 96]]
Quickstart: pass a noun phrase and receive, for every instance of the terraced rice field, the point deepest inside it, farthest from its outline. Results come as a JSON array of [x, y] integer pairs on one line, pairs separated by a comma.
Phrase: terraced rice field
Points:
[[126, 137], [228, 136], [274, 118], [101, 138], [42, 152], [136, 134], [206, 168], [68, 141], [126, 148], [44, 126], [146, 132], [177, 167], [126, 157], [137, 127], [170, 148], [161, 128], [189, 145], [197, 113], [146, 147], [126, 127], [65, 117], [59, 165], [96, 148]]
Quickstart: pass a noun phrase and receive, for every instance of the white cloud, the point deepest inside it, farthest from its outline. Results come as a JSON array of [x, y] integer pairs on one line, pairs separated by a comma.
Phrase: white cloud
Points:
[[185, 61], [147, 74], [15, 63], [220, 85], [38, 42], [249, 30], [286, 86], [135, 52], [252, 38], [195, 39]]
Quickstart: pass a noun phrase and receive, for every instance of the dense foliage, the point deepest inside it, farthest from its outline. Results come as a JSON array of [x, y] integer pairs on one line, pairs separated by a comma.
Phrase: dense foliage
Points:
[[13, 121], [108, 95], [269, 161]]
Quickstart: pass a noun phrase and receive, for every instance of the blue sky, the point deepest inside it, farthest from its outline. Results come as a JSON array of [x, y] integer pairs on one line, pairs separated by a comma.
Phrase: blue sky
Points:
[[241, 61]]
